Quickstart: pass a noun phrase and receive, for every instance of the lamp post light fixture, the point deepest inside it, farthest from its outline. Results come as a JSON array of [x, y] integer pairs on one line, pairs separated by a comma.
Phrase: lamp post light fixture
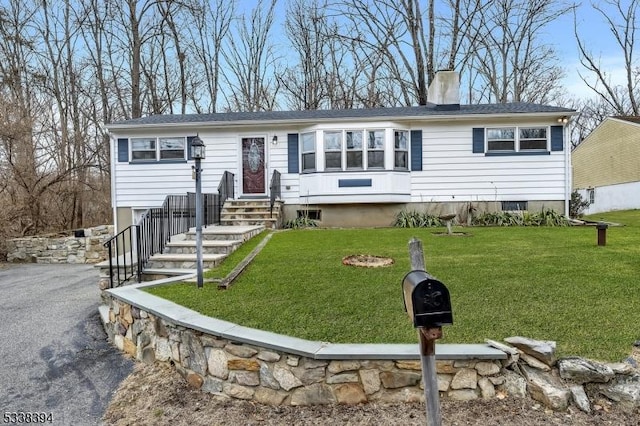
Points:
[[198, 153]]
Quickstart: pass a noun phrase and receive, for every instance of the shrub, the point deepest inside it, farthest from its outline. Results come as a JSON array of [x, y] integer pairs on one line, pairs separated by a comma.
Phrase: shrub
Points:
[[577, 205], [301, 222], [413, 219], [546, 217]]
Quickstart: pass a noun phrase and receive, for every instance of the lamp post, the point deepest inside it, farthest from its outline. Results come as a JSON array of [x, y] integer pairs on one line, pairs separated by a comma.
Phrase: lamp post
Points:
[[198, 153]]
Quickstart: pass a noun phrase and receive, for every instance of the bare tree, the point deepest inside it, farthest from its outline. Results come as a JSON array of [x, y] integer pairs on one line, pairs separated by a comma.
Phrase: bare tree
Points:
[[211, 26], [511, 60], [250, 60], [621, 18], [407, 43], [307, 27]]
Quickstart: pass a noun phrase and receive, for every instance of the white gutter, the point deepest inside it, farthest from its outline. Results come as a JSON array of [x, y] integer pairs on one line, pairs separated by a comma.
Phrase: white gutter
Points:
[[316, 120]]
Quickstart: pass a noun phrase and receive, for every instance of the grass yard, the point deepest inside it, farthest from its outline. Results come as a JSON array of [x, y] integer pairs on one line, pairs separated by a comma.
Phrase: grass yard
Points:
[[544, 283]]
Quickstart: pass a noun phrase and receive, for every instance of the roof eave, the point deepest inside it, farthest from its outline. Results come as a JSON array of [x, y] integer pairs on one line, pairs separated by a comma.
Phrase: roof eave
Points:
[[316, 120]]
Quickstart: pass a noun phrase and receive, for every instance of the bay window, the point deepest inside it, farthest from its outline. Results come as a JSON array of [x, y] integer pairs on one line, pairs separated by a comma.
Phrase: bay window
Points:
[[354, 149], [333, 150], [375, 149], [308, 151], [401, 149]]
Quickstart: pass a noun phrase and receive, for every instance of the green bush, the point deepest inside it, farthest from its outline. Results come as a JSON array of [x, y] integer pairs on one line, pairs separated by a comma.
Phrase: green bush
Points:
[[301, 222], [577, 204], [546, 217], [413, 219]]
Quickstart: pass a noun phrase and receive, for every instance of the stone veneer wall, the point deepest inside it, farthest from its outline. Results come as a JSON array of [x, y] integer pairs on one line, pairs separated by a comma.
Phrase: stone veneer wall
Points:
[[61, 248], [242, 371]]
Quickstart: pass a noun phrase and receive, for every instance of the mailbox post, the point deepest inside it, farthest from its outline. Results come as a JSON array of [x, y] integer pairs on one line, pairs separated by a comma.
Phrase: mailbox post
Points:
[[428, 305]]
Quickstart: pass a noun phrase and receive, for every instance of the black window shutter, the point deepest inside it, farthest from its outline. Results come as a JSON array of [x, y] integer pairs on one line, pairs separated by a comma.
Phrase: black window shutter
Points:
[[123, 150], [478, 140], [292, 152], [416, 150], [189, 143], [557, 138]]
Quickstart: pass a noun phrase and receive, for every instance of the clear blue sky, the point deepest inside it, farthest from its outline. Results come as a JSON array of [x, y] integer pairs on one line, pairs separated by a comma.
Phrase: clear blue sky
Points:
[[593, 29]]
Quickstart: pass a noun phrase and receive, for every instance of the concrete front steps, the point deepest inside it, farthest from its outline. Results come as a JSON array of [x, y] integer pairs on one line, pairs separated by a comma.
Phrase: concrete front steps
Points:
[[179, 257], [251, 212]]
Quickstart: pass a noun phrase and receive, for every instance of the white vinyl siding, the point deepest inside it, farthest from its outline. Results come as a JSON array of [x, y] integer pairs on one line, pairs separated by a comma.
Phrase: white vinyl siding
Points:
[[452, 173]]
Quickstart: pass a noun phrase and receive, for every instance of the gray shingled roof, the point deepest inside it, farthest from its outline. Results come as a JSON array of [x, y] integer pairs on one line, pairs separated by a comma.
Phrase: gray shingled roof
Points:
[[413, 111]]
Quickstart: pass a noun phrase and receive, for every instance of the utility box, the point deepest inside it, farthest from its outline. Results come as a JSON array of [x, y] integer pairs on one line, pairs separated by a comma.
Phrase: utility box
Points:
[[426, 300], [602, 233]]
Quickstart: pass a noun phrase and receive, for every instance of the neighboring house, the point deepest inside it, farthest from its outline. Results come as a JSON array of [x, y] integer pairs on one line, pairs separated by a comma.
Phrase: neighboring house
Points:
[[606, 165], [355, 167]]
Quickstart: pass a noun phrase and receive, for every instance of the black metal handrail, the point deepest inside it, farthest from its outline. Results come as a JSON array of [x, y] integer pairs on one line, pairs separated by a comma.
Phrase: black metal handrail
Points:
[[226, 189], [157, 225], [176, 216], [117, 249], [274, 190]]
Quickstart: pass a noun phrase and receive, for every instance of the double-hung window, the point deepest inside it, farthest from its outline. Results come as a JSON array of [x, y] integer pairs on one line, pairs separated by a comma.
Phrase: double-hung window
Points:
[[333, 150], [308, 151], [401, 149], [375, 149], [517, 139], [158, 149], [143, 149], [533, 138], [172, 148], [503, 139], [354, 149]]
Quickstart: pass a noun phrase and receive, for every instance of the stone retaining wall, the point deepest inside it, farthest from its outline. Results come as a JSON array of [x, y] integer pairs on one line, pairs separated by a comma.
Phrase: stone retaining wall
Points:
[[246, 371], [61, 248], [242, 371]]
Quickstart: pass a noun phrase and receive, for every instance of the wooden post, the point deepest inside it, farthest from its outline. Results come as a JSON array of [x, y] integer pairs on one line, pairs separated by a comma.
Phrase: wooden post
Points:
[[428, 337]]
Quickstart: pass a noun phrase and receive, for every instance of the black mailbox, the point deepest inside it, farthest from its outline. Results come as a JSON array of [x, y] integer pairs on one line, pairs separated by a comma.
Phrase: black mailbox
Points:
[[426, 300]]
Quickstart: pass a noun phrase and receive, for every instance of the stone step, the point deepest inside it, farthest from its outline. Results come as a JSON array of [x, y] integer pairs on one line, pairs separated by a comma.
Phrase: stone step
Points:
[[248, 215], [248, 210], [161, 273], [269, 223], [248, 203], [208, 246], [183, 261], [229, 233]]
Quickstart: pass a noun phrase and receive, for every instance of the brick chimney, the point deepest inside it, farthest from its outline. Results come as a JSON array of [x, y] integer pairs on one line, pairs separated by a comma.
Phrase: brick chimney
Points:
[[444, 90]]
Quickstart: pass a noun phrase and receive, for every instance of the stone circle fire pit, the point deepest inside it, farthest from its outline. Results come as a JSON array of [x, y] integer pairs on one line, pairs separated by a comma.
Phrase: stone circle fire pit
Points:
[[367, 261]]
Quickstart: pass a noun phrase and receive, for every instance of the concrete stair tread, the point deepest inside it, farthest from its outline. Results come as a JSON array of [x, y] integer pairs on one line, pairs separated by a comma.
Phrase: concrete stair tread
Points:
[[205, 243], [267, 212], [185, 257], [169, 271], [227, 230]]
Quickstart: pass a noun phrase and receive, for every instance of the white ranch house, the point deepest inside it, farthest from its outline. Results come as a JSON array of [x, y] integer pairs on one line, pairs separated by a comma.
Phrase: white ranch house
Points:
[[354, 167]]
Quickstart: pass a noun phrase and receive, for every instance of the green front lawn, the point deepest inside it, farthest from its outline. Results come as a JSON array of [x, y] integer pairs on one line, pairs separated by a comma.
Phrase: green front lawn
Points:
[[544, 283]]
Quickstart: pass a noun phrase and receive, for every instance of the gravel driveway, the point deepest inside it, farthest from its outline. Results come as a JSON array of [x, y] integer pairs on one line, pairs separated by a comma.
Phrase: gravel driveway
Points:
[[55, 357]]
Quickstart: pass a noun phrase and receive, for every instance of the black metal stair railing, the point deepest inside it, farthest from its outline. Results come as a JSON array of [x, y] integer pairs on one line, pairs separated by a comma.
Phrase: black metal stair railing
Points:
[[225, 190], [155, 228], [274, 190]]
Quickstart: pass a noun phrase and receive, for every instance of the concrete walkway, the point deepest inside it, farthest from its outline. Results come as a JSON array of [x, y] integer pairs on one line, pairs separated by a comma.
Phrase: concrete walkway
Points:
[[54, 352]]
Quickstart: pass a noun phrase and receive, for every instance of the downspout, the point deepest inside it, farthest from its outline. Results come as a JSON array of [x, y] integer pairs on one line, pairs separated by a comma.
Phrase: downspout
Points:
[[568, 170], [112, 156]]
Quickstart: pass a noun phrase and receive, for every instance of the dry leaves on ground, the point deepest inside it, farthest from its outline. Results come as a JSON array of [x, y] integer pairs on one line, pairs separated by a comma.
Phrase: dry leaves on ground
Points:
[[157, 395]]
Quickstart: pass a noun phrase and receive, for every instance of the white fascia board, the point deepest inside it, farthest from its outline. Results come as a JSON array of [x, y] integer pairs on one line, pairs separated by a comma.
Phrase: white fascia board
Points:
[[307, 121]]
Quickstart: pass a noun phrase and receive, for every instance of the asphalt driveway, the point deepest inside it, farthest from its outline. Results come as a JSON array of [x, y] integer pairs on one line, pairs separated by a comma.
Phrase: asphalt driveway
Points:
[[54, 354]]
